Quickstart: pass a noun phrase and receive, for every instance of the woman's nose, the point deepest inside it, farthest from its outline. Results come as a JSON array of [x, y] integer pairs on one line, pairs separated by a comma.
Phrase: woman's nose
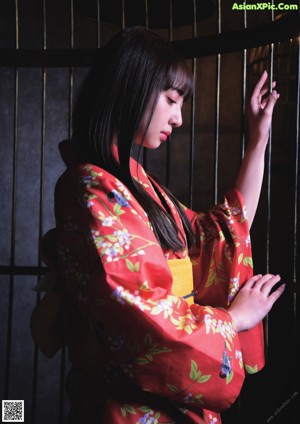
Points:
[[176, 118]]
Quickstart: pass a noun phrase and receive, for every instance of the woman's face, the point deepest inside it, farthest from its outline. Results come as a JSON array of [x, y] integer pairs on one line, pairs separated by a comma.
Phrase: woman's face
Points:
[[167, 115]]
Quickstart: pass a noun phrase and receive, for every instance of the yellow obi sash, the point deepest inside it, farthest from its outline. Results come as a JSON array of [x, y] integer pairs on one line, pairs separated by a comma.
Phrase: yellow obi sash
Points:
[[182, 273]]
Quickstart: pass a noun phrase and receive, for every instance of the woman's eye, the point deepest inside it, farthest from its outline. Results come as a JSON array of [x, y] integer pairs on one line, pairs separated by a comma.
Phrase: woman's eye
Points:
[[171, 101]]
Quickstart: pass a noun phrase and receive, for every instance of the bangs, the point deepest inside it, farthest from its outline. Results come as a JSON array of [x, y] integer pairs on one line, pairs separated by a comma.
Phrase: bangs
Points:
[[180, 78]]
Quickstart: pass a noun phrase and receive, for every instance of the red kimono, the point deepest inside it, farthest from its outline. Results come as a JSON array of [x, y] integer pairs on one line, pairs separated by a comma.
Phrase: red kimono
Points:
[[161, 361]]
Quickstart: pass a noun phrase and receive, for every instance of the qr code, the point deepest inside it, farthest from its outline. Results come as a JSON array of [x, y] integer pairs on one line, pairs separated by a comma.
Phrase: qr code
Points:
[[12, 411]]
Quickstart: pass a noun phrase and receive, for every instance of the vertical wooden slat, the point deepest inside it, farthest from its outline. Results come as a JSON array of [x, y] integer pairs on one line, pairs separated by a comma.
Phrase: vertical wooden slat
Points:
[[71, 69], [70, 124], [41, 202], [244, 91], [123, 14], [268, 217], [217, 111], [171, 20], [296, 185], [193, 111], [98, 24], [269, 181], [239, 408], [13, 216], [146, 14], [296, 261], [169, 151], [145, 152]]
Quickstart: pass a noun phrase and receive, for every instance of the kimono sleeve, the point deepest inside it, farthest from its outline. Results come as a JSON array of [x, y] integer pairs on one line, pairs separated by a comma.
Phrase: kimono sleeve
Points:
[[222, 263], [115, 272]]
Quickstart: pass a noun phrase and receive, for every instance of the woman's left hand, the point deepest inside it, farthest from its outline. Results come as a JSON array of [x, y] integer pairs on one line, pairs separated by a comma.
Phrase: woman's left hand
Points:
[[259, 117], [260, 110]]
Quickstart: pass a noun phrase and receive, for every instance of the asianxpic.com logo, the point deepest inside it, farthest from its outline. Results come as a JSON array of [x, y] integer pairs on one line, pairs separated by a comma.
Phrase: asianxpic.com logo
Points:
[[265, 6]]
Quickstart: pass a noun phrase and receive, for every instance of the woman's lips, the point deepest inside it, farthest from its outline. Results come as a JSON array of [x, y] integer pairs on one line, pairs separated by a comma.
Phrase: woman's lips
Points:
[[164, 135]]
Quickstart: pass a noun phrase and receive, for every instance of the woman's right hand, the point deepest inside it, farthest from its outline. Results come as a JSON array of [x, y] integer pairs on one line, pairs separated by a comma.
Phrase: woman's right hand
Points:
[[254, 301]]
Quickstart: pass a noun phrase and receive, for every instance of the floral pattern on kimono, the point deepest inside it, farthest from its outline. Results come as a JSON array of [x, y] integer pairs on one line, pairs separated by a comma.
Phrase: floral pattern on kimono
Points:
[[190, 360]]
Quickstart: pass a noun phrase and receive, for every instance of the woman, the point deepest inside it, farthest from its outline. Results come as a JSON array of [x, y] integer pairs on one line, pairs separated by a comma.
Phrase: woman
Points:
[[162, 312]]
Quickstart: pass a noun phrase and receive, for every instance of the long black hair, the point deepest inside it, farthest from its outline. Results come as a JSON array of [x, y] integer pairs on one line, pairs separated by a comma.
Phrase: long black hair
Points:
[[120, 92]]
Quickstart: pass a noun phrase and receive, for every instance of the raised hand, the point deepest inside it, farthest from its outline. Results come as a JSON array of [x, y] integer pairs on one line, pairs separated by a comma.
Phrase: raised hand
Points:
[[260, 110], [259, 116]]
